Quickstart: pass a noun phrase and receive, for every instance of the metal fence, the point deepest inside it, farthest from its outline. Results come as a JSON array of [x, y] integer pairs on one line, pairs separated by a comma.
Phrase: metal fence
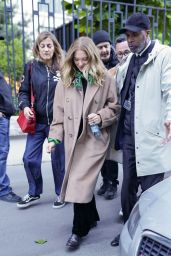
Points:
[[22, 20]]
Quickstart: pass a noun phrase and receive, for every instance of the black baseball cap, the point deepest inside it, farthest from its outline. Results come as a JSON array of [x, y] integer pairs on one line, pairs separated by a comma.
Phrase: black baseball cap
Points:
[[136, 22]]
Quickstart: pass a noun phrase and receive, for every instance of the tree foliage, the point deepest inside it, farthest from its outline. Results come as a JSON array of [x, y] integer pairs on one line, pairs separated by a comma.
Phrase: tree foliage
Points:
[[8, 64], [11, 49], [100, 12]]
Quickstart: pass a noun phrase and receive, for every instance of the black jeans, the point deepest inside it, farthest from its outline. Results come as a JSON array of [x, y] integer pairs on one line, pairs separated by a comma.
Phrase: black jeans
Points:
[[109, 171], [84, 216]]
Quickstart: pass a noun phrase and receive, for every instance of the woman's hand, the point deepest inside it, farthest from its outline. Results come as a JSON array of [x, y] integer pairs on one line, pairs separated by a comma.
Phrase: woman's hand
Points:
[[50, 146], [94, 119], [28, 113]]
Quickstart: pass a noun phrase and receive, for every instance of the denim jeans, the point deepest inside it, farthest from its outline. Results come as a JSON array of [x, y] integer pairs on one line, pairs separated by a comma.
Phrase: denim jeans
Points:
[[33, 157], [4, 149]]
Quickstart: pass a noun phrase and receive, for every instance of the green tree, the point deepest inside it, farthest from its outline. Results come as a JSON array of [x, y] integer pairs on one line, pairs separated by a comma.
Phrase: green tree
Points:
[[14, 46], [100, 11], [11, 48]]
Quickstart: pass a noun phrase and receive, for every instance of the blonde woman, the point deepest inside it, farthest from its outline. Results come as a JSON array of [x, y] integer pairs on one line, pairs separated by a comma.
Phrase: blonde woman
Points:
[[85, 96], [43, 73]]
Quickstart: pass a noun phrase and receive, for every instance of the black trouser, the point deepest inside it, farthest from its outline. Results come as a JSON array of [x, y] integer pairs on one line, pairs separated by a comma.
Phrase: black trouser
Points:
[[109, 171], [130, 181], [84, 216]]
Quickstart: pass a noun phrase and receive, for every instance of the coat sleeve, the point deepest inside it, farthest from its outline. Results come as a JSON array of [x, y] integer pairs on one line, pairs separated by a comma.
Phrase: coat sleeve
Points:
[[24, 91], [110, 113], [166, 82], [57, 125]]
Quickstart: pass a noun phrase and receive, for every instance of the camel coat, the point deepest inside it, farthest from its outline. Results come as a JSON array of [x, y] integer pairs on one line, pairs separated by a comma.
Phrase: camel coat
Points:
[[84, 156]]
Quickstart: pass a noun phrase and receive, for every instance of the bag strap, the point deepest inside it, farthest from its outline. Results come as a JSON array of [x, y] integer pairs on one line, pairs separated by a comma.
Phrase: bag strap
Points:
[[31, 87]]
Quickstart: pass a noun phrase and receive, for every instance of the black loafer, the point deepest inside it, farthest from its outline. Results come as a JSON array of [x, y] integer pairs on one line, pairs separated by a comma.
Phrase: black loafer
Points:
[[73, 242], [115, 241]]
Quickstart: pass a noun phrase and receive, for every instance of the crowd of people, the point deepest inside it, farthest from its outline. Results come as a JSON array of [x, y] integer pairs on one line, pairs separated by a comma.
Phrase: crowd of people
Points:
[[79, 99]]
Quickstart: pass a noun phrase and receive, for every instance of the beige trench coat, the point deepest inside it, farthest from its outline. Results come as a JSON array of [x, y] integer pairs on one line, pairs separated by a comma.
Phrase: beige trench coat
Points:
[[84, 156]]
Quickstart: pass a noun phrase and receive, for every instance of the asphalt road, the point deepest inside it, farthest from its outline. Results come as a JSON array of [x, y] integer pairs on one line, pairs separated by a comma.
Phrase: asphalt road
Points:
[[19, 229]]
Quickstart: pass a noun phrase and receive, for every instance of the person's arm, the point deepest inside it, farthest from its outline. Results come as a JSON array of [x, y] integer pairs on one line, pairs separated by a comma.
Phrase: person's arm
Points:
[[56, 128], [24, 96], [111, 110], [24, 91], [6, 102], [166, 90]]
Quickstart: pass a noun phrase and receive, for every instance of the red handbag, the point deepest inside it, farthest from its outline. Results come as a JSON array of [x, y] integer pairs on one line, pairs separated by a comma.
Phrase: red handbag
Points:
[[28, 125]]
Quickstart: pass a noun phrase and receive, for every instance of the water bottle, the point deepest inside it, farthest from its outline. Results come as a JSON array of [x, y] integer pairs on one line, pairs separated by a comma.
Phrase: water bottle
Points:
[[95, 130]]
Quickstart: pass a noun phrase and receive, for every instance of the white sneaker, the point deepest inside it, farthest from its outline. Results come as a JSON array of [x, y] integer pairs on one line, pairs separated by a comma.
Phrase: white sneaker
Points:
[[58, 204]]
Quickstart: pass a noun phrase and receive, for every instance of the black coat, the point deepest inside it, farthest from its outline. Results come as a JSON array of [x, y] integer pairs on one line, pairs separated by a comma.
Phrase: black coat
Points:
[[6, 102], [44, 84]]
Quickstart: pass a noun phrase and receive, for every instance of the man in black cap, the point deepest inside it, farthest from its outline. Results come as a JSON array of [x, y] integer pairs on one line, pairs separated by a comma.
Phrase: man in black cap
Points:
[[109, 169], [144, 128], [6, 110]]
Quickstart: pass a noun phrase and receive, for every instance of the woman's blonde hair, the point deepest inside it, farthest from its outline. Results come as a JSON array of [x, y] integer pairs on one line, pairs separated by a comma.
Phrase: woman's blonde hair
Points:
[[58, 56], [95, 66]]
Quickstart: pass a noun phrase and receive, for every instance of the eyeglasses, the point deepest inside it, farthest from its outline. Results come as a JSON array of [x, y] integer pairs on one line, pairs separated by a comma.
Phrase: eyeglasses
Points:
[[121, 54]]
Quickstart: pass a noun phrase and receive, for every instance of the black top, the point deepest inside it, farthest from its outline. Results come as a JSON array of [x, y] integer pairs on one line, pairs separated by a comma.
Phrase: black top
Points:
[[84, 84], [44, 84]]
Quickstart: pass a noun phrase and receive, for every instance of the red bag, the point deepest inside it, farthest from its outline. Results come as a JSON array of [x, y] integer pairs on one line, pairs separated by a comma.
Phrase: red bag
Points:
[[28, 125]]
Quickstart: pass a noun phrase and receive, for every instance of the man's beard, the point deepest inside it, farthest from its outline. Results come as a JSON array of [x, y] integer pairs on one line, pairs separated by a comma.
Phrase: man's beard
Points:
[[139, 48]]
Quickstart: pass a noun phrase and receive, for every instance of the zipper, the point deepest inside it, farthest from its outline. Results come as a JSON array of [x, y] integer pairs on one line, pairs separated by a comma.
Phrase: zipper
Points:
[[47, 99]]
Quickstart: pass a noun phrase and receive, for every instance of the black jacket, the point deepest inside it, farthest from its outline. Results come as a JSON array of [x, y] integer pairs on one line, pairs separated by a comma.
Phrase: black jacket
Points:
[[6, 102], [44, 83]]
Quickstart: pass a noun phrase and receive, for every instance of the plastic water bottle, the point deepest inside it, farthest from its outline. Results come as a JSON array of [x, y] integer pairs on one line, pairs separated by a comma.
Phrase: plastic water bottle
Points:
[[95, 130]]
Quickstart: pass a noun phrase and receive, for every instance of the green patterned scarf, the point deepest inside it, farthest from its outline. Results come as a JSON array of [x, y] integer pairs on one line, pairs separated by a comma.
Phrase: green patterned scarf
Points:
[[77, 83]]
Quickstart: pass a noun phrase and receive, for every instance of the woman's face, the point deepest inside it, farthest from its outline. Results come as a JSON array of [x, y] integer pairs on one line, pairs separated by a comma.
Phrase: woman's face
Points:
[[80, 59], [46, 50]]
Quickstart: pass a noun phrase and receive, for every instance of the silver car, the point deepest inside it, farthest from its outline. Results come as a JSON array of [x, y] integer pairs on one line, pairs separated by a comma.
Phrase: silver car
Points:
[[148, 229]]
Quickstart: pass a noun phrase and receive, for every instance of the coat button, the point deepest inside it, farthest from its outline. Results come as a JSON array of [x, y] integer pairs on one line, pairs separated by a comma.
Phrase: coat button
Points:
[[67, 99], [69, 117], [70, 135]]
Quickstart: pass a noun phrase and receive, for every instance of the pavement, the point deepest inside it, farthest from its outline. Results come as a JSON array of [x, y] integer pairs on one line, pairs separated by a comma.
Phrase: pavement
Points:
[[20, 228]]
